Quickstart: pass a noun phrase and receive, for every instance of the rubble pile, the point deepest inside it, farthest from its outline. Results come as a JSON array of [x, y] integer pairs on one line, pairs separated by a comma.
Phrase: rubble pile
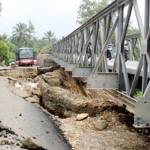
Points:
[[89, 119]]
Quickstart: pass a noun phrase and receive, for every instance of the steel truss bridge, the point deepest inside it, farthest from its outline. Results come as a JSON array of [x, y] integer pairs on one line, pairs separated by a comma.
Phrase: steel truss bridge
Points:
[[110, 26]]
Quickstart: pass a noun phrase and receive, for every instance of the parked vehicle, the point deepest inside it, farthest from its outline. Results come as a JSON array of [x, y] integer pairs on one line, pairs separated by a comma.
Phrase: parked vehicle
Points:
[[26, 57]]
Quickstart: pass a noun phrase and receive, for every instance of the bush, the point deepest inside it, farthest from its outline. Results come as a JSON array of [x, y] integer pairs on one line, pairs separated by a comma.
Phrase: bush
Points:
[[4, 52]]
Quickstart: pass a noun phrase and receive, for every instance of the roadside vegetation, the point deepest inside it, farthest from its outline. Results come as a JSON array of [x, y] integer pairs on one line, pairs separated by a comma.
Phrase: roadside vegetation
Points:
[[23, 35], [89, 8]]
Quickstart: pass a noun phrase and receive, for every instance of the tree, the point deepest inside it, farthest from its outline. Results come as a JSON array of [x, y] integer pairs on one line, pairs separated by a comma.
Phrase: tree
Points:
[[30, 34], [89, 8], [23, 35], [4, 52], [40, 45], [49, 35], [0, 7], [3, 36], [50, 38], [11, 52]]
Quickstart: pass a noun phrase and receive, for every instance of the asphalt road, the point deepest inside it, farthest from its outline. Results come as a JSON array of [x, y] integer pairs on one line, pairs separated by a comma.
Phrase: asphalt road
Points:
[[28, 120]]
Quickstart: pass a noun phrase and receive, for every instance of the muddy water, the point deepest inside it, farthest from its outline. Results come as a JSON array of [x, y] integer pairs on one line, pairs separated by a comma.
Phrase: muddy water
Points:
[[28, 120]]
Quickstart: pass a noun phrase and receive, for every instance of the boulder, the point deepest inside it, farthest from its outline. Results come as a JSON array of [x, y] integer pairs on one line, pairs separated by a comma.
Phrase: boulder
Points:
[[34, 99], [29, 144], [82, 116], [100, 124]]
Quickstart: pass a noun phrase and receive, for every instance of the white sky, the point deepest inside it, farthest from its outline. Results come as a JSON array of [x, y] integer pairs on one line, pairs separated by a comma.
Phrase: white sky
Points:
[[56, 15]]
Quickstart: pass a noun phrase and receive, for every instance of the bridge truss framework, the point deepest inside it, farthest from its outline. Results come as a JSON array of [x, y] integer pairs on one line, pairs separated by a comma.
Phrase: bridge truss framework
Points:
[[110, 24]]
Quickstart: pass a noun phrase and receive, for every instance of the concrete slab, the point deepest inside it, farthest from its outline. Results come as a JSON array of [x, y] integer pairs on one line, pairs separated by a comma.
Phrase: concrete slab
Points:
[[103, 81], [81, 72]]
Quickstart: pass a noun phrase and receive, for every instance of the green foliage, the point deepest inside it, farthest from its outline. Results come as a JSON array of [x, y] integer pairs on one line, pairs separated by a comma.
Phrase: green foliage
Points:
[[4, 52], [8, 49], [132, 30], [12, 50], [41, 45], [4, 37], [89, 8], [23, 34], [48, 39], [138, 93]]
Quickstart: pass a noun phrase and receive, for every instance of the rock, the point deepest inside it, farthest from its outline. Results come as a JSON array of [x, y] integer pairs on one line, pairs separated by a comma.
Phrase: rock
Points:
[[34, 99], [51, 80], [37, 92], [100, 125], [29, 144], [81, 116], [5, 142], [4, 130], [17, 85], [20, 115], [22, 93], [43, 70], [12, 81]]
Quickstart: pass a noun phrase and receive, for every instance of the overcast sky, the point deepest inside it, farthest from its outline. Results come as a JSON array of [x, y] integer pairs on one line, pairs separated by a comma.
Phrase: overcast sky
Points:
[[56, 15]]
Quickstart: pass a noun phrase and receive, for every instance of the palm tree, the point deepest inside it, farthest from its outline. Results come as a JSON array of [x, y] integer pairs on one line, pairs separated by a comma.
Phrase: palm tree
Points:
[[49, 35], [23, 34], [19, 34]]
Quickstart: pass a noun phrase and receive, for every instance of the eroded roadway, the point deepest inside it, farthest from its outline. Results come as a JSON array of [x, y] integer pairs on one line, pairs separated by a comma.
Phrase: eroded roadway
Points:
[[28, 120]]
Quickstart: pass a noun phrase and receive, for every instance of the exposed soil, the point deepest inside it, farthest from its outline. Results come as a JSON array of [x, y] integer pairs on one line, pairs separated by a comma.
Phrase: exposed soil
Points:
[[108, 125]]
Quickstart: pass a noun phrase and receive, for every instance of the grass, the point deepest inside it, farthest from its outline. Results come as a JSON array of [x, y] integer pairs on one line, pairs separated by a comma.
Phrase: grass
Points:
[[138, 93]]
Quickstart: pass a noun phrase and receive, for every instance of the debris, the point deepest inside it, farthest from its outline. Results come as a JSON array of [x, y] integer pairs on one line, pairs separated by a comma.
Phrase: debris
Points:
[[20, 115], [29, 144], [6, 129], [33, 99], [81, 116], [100, 125], [5, 142], [68, 100], [42, 70], [12, 79], [17, 85]]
